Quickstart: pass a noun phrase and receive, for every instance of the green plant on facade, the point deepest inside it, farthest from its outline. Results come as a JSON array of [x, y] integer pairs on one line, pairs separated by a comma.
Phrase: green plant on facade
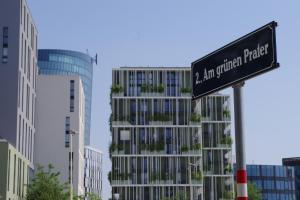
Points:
[[186, 90], [226, 113], [184, 148], [144, 147], [195, 117], [228, 168], [159, 117], [197, 176], [196, 147], [160, 146], [149, 88], [112, 147], [228, 195], [226, 140], [254, 193], [116, 88]]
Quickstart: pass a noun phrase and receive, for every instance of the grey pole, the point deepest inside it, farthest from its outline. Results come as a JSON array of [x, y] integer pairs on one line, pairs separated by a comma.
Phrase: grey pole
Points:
[[240, 142]]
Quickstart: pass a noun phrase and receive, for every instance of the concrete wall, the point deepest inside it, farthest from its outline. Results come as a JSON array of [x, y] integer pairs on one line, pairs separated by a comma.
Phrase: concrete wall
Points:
[[53, 106], [18, 76]]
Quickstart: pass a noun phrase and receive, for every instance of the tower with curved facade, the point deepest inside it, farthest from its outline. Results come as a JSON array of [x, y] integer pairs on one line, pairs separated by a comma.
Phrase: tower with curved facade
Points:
[[65, 62]]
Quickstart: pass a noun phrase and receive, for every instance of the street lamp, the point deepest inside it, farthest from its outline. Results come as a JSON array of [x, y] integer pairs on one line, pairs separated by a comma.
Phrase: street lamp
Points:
[[71, 133], [190, 177]]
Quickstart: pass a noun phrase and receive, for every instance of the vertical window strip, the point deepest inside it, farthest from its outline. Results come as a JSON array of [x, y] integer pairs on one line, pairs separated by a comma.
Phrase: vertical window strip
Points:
[[5, 45], [8, 170], [67, 129], [72, 98]]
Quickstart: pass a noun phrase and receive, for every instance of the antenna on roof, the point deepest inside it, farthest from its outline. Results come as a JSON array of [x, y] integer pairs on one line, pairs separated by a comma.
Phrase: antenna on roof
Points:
[[95, 59]]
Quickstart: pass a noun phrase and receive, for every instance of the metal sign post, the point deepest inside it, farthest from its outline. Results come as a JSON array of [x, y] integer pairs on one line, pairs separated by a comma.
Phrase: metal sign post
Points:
[[241, 175], [231, 65]]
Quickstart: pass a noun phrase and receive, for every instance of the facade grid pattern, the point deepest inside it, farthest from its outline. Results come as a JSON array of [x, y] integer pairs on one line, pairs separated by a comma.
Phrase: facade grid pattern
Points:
[[159, 148]]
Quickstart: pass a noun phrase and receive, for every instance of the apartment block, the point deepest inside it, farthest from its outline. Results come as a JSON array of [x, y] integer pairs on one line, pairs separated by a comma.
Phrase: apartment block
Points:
[[164, 145]]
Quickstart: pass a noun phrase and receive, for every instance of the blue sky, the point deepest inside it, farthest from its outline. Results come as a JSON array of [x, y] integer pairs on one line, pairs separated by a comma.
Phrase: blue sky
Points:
[[175, 33]]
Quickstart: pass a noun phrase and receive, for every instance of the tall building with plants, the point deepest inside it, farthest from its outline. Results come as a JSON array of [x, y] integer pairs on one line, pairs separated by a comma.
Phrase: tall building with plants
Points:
[[159, 149]]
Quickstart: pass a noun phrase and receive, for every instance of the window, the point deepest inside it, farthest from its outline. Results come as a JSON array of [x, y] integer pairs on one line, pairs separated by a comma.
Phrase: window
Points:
[[5, 45], [14, 180], [8, 168], [67, 129], [72, 86]]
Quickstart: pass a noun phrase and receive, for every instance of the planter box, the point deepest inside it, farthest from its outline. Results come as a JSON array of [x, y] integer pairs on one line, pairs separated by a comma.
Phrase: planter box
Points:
[[145, 152], [186, 94], [125, 182], [167, 123], [115, 152], [120, 123], [121, 152], [196, 182], [119, 94], [160, 152], [151, 94], [224, 146], [194, 123], [195, 152], [154, 122]]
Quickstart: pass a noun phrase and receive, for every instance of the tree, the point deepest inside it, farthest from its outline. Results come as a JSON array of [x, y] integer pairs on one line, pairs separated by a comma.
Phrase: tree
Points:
[[254, 193], [46, 186]]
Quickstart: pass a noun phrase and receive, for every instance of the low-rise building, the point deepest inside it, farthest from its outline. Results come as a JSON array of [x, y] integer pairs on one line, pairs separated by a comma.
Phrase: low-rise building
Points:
[[92, 171], [275, 182], [14, 172], [295, 163]]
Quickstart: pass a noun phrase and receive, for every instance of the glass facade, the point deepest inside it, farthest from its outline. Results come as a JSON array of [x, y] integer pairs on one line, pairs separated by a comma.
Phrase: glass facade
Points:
[[295, 163], [64, 62], [275, 182]]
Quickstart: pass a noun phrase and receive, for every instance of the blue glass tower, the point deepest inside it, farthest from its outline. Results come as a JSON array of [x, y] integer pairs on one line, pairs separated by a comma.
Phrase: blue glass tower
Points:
[[65, 62]]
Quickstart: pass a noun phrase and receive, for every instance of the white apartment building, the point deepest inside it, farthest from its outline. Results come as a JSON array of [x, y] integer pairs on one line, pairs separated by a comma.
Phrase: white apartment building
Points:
[[60, 111], [164, 145]]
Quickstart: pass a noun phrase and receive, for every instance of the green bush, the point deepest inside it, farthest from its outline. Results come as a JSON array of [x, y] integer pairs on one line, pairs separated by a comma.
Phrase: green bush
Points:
[[149, 88], [186, 90], [184, 148], [226, 140], [226, 113], [195, 117], [196, 147], [197, 176], [116, 89]]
